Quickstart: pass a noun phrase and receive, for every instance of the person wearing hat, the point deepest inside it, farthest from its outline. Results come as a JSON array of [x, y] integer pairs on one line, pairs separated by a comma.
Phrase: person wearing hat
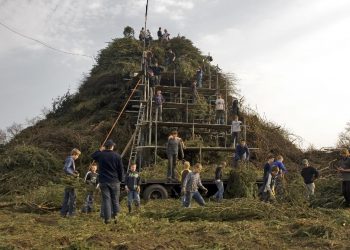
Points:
[[309, 174], [111, 174], [344, 170]]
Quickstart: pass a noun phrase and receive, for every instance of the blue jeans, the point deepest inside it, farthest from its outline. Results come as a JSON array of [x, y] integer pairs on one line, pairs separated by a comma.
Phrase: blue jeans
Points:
[[172, 166], [219, 195], [89, 203], [196, 196], [220, 116], [199, 81], [110, 199], [69, 201], [133, 196]]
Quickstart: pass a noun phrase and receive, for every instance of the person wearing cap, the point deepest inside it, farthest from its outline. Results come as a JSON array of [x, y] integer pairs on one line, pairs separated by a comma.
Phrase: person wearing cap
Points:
[[309, 174], [111, 174], [344, 170]]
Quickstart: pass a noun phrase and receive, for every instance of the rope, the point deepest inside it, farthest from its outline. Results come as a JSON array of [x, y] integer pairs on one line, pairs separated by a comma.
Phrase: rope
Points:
[[44, 44], [121, 112]]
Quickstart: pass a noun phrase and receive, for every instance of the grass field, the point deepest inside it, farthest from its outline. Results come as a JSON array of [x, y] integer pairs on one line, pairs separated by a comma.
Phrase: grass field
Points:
[[164, 224]]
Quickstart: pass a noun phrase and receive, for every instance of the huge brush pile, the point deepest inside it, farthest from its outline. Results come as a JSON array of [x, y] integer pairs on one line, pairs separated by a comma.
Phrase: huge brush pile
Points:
[[31, 163]]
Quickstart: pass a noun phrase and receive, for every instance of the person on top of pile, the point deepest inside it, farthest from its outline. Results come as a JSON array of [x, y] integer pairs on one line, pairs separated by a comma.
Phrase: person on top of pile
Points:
[[166, 35], [142, 34], [159, 34]]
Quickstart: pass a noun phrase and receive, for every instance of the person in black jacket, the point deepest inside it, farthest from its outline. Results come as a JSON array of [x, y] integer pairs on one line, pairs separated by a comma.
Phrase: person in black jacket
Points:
[[132, 186], [309, 174], [91, 181], [157, 74], [160, 34], [219, 195], [110, 176], [235, 107]]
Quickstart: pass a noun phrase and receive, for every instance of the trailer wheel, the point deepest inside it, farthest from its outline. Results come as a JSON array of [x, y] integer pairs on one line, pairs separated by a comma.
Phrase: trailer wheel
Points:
[[155, 192]]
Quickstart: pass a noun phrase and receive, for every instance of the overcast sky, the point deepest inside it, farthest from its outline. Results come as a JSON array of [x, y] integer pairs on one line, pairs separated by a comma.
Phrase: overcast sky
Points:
[[291, 56]]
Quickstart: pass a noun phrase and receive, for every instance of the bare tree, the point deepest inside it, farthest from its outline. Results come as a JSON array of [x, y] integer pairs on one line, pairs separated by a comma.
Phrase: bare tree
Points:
[[33, 121], [128, 32], [344, 137], [3, 137], [14, 129]]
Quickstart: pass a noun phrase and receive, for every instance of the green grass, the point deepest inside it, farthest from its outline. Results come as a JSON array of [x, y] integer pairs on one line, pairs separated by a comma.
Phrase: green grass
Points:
[[164, 224]]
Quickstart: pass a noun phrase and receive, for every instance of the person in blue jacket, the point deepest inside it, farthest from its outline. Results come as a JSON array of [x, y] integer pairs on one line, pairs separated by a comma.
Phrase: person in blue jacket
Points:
[[70, 196], [241, 153], [111, 174]]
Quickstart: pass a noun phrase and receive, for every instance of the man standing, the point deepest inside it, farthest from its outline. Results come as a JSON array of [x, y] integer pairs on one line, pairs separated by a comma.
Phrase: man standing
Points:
[[160, 34], [344, 170], [199, 76], [111, 174], [220, 110], [309, 174], [157, 73], [235, 130], [158, 104], [175, 144], [170, 57]]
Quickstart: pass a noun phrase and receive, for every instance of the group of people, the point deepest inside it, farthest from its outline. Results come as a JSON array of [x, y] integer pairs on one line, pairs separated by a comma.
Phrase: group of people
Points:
[[111, 175], [147, 36], [108, 180], [274, 172]]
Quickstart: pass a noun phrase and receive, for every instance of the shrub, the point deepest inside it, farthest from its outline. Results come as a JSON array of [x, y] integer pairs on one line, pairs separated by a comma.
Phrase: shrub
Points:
[[26, 167], [242, 181]]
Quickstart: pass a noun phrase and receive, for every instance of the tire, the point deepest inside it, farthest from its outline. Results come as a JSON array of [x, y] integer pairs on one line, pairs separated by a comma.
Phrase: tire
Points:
[[155, 191]]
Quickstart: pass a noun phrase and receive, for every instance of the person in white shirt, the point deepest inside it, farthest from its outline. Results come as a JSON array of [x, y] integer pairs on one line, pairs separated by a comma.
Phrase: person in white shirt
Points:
[[235, 130], [220, 110]]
